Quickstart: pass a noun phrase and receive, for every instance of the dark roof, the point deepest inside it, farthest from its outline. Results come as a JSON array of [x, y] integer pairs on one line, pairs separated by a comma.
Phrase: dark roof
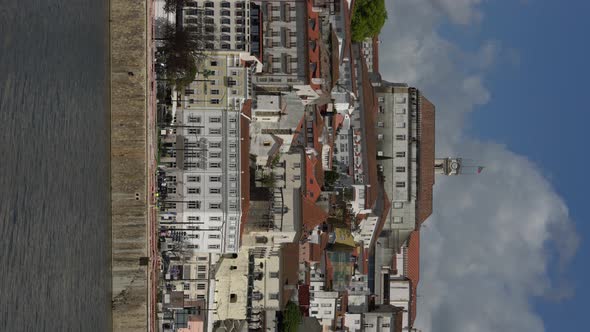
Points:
[[426, 118], [245, 162]]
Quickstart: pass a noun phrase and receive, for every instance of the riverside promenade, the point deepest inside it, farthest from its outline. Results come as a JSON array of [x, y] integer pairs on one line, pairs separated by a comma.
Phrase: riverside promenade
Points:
[[131, 163]]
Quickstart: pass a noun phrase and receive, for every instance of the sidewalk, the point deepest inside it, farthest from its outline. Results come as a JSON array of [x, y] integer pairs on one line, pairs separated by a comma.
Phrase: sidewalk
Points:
[[154, 263]]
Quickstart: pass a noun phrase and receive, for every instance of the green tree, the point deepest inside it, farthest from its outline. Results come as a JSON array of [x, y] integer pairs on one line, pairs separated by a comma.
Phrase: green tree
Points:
[[171, 5], [182, 52], [368, 18], [330, 178], [291, 317]]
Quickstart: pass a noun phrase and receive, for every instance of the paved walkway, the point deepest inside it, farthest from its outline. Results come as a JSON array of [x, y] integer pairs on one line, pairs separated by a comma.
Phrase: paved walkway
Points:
[[151, 170]]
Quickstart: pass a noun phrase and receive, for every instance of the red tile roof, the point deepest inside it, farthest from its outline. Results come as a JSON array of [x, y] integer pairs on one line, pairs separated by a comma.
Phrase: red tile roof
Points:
[[245, 163], [312, 187], [303, 298], [382, 218], [313, 215], [426, 161], [289, 270], [413, 272], [370, 115], [375, 45], [313, 34]]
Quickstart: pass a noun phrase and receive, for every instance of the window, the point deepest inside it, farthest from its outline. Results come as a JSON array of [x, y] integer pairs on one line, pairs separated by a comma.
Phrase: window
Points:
[[194, 205], [201, 296], [194, 119], [400, 154], [274, 275], [215, 119], [380, 124], [213, 246], [400, 125], [274, 296], [214, 236], [400, 111], [225, 13], [380, 137], [225, 5], [400, 169], [400, 100], [209, 4], [193, 178], [398, 205], [214, 101], [326, 305], [214, 154], [214, 131], [400, 184], [213, 63], [381, 99], [398, 220], [187, 287], [194, 131], [225, 46], [400, 137], [226, 37], [215, 218], [189, 91], [194, 190], [193, 218], [200, 286], [215, 179], [225, 20], [215, 190], [214, 206], [226, 29], [214, 165]]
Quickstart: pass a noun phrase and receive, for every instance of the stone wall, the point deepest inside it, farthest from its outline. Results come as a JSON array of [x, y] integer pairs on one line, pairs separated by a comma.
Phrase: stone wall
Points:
[[128, 29]]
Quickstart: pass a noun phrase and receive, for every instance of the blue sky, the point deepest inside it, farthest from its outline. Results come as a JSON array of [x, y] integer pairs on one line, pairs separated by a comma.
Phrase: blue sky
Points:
[[538, 109], [505, 250]]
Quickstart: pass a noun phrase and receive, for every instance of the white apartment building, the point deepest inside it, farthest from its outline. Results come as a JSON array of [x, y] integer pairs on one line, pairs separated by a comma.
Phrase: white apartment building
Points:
[[354, 322], [226, 23], [202, 165], [322, 306], [379, 321]]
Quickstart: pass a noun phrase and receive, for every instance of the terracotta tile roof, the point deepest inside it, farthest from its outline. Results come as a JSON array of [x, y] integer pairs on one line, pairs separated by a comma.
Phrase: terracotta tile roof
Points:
[[413, 272], [289, 271], [338, 120], [370, 137], [335, 60], [313, 215], [426, 118], [375, 45], [366, 260], [313, 34], [382, 218], [245, 163], [303, 298], [312, 187]]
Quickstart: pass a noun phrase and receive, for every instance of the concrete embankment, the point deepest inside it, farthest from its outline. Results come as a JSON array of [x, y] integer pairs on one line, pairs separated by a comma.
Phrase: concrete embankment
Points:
[[128, 164]]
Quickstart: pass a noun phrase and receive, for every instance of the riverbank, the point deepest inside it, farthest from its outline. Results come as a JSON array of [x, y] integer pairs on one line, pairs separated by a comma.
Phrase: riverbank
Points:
[[130, 191]]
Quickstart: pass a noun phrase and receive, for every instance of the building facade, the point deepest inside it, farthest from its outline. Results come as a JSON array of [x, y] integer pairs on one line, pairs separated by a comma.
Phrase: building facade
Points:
[[202, 158], [226, 23]]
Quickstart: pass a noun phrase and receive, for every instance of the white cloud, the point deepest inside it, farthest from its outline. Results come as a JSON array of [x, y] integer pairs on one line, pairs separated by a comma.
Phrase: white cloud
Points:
[[486, 249]]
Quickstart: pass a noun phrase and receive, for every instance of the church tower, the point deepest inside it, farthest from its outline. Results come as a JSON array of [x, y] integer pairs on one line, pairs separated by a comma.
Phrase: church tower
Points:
[[447, 166], [456, 166]]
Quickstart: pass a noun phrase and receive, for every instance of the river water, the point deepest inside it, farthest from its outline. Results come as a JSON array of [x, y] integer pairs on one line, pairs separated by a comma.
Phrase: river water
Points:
[[54, 166]]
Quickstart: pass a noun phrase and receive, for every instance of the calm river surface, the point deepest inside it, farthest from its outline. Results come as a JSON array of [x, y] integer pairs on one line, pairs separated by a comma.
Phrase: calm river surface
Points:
[[54, 167]]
